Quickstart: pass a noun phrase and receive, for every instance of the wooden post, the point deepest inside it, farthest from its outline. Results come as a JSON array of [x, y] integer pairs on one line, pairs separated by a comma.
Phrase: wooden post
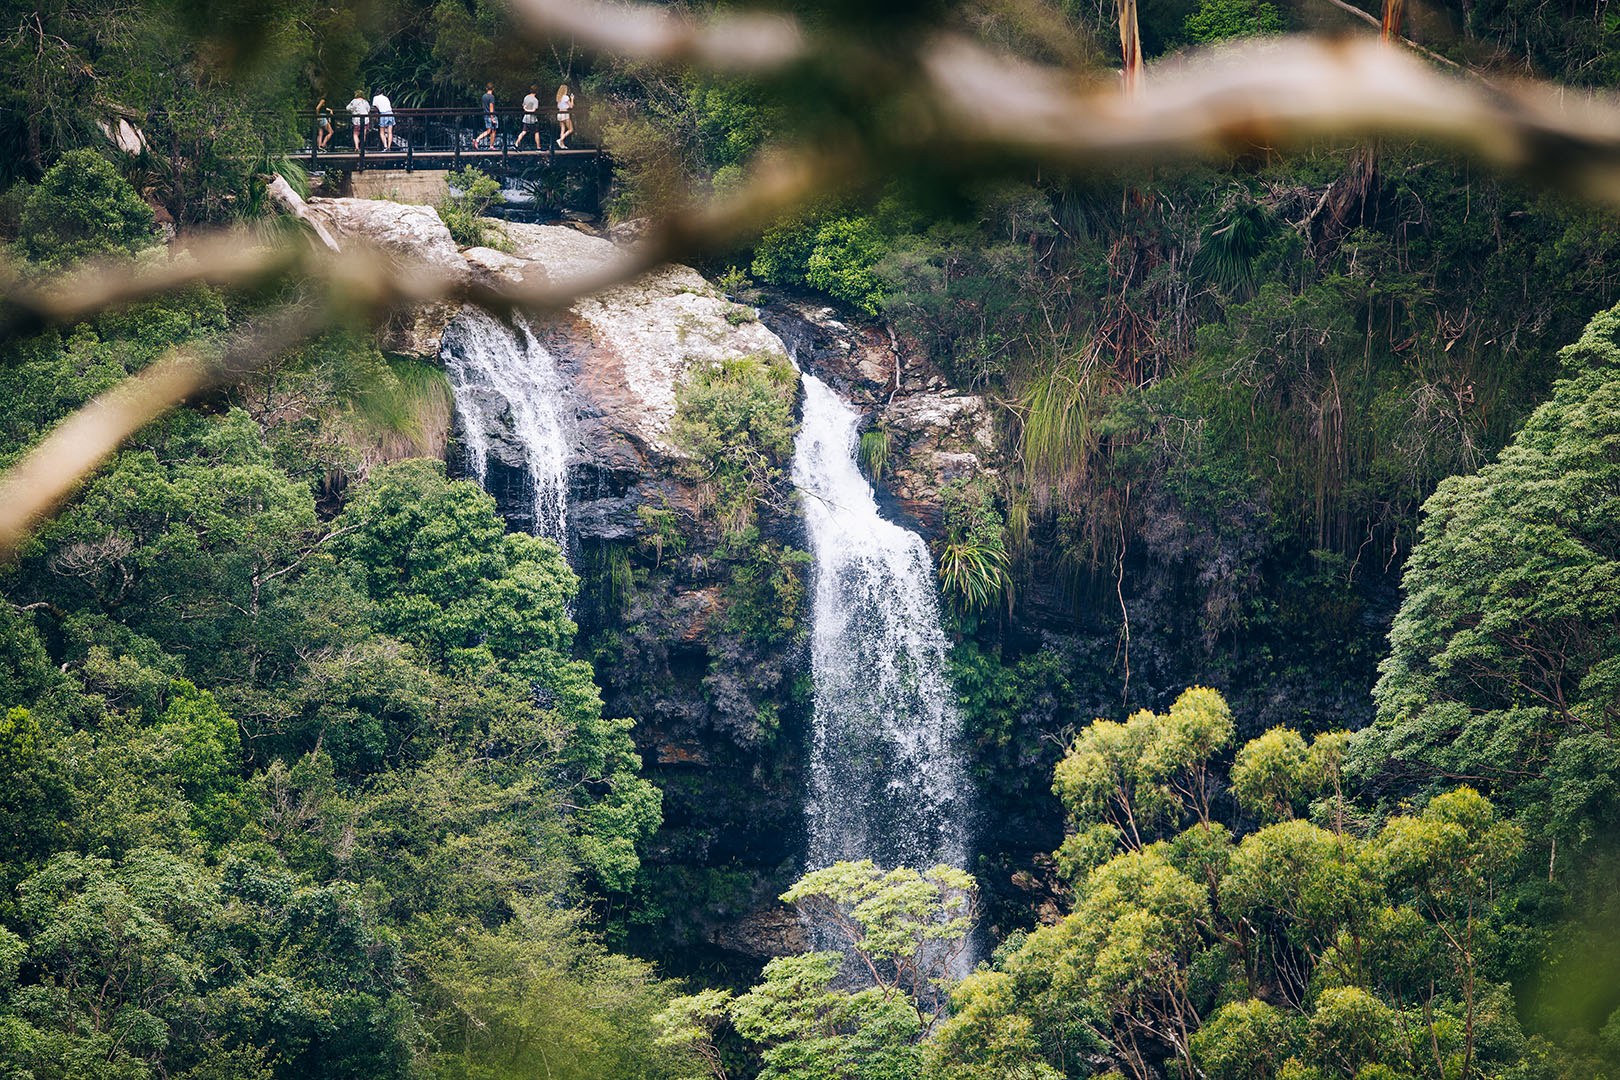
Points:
[[410, 151], [455, 140]]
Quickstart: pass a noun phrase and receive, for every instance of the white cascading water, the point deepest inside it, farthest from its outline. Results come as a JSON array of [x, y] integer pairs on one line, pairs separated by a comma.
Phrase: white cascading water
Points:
[[887, 780], [503, 377]]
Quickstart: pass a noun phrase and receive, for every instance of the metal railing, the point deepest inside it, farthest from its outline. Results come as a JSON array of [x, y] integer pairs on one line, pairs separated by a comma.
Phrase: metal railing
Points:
[[442, 135]]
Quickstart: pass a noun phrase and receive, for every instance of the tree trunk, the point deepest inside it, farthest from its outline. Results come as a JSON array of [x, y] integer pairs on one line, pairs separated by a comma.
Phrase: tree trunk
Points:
[[285, 197]]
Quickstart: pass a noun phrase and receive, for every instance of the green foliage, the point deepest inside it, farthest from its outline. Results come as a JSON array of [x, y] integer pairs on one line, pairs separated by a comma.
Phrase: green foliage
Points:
[[472, 192], [539, 996], [838, 256], [1147, 774], [491, 608], [811, 1020], [904, 926], [253, 755], [1275, 775], [1502, 656], [1230, 244], [875, 446], [1245, 1040], [811, 1031], [1060, 428], [81, 208], [1220, 20], [973, 560], [735, 417]]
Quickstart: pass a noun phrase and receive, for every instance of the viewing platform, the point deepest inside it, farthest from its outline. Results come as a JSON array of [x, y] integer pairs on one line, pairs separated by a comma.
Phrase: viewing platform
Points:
[[442, 139]]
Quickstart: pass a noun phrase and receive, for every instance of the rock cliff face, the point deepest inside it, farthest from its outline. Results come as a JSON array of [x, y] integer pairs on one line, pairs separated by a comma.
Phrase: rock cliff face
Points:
[[936, 433], [721, 713], [413, 234]]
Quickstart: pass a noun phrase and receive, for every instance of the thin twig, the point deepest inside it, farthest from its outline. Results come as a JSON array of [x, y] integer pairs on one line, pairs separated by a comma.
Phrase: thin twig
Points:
[[726, 42], [51, 471]]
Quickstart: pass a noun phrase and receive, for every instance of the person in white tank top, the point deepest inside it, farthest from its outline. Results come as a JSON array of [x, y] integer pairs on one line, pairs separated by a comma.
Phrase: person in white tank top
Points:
[[565, 116]]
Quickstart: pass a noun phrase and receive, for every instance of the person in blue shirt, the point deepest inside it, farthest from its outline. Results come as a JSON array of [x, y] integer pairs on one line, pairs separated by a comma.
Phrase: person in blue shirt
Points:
[[491, 124]]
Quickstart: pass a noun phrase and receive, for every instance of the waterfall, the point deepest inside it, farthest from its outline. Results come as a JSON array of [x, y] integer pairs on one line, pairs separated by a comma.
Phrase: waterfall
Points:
[[508, 393], [887, 780]]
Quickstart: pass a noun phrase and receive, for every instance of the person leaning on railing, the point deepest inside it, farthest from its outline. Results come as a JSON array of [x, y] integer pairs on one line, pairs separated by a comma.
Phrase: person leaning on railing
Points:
[[359, 108], [385, 119]]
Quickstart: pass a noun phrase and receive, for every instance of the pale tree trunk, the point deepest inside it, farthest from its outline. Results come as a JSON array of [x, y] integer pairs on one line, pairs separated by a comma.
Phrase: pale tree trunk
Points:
[[289, 200], [1130, 45]]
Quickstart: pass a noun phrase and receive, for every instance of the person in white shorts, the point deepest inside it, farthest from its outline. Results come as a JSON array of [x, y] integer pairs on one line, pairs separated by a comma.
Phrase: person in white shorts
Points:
[[359, 108], [565, 116], [531, 118]]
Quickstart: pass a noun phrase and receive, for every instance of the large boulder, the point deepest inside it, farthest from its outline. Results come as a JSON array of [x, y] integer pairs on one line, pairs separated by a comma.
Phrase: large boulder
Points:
[[635, 342], [936, 437], [413, 236]]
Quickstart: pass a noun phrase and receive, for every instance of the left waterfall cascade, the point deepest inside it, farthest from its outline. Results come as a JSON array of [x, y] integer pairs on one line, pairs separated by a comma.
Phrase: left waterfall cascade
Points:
[[508, 389]]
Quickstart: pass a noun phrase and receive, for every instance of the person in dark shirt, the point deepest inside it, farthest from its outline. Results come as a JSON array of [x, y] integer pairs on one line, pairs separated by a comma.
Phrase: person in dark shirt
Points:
[[491, 125]]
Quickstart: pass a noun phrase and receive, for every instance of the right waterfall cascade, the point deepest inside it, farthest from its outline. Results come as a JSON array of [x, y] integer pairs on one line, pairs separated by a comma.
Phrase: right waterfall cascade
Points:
[[887, 778]]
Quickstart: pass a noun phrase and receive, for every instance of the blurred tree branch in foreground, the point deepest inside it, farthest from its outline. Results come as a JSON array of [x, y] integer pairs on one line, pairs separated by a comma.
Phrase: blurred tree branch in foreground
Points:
[[913, 100]]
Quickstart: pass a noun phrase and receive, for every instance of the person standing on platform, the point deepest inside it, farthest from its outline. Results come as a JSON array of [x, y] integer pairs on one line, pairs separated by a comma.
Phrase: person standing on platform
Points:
[[531, 118], [359, 108], [385, 120], [491, 124], [323, 124], [565, 116]]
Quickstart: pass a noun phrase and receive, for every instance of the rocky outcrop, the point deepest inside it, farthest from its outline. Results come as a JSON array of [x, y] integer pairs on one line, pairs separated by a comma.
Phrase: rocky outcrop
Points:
[[937, 434], [637, 341], [413, 235]]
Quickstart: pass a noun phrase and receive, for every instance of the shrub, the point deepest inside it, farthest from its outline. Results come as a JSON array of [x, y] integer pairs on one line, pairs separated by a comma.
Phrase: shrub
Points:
[[83, 208], [463, 214], [735, 417], [874, 452], [973, 561]]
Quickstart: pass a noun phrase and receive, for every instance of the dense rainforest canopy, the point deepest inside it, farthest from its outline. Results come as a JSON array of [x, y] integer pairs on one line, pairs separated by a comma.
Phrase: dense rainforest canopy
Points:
[[1283, 630]]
